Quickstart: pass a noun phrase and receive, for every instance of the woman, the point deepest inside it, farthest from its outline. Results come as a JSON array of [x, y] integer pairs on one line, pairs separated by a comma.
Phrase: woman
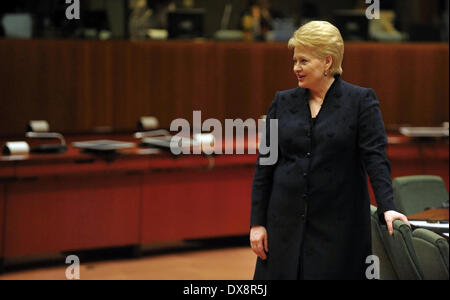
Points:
[[310, 216]]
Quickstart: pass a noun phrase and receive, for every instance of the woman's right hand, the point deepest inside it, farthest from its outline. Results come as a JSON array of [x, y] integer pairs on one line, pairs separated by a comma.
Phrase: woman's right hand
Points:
[[259, 242]]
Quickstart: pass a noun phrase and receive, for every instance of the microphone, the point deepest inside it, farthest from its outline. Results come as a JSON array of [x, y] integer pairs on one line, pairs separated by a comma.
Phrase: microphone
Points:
[[150, 133], [48, 148]]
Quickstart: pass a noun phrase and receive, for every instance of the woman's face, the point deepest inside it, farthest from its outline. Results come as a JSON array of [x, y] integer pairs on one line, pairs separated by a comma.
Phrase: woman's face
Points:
[[309, 69]]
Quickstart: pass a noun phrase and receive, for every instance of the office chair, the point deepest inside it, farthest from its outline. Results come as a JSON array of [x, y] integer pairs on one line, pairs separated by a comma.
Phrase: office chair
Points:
[[387, 271], [400, 250], [413, 194], [432, 252]]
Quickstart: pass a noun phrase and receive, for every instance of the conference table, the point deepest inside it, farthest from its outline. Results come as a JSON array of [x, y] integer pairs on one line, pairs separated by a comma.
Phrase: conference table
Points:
[[78, 200], [81, 200], [433, 215], [435, 219]]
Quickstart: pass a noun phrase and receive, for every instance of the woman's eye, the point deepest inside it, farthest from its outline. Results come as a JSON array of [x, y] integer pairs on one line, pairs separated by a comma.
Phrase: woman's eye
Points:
[[302, 61]]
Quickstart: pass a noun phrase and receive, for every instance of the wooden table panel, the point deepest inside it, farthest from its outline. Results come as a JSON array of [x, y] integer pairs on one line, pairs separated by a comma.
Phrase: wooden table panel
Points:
[[7, 170], [2, 216], [67, 213], [81, 167], [195, 204]]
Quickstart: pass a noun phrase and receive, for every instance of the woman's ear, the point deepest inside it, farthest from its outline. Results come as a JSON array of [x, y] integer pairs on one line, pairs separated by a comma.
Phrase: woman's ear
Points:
[[328, 62]]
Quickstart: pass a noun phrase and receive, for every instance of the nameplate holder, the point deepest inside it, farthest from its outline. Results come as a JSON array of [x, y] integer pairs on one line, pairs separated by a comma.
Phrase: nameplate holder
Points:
[[38, 126], [148, 122], [16, 148], [204, 139]]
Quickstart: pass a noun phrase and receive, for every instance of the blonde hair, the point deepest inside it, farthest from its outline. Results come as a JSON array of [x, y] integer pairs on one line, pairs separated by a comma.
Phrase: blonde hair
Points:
[[324, 39]]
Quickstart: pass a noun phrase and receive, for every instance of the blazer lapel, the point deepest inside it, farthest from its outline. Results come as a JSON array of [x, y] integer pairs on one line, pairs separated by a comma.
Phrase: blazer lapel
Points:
[[296, 102], [331, 102]]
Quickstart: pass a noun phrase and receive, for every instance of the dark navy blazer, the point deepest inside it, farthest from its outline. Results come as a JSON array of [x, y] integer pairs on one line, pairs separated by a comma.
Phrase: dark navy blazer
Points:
[[314, 202]]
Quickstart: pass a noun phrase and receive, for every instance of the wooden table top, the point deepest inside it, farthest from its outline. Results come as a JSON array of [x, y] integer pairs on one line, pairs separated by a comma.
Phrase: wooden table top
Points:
[[435, 214]]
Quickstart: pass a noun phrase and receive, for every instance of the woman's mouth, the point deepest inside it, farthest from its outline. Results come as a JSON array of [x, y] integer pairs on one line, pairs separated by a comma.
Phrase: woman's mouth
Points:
[[301, 77]]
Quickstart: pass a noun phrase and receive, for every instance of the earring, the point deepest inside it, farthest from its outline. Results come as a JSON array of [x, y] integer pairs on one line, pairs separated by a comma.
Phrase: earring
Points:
[[325, 74]]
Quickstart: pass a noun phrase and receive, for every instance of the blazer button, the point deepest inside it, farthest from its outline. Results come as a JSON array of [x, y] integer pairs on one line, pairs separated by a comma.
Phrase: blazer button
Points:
[[308, 154], [305, 174], [304, 196], [303, 218]]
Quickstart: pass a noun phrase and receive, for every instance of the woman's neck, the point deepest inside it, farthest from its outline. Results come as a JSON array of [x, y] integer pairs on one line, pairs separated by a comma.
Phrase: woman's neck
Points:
[[320, 92]]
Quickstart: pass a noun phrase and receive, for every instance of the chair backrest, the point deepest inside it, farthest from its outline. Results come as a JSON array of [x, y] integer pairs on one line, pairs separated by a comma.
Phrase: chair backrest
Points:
[[387, 271], [432, 252], [413, 194], [400, 250]]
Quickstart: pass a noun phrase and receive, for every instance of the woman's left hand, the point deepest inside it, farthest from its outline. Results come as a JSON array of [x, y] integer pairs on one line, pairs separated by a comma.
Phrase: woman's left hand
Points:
[[390, 216]]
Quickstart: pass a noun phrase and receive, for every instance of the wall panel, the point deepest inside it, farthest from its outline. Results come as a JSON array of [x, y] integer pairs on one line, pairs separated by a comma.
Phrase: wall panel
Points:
[[80, 85]]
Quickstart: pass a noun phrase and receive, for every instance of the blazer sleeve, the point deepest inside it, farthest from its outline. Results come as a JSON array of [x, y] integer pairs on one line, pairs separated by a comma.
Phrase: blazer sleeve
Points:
[[372, 142], [262, 178]]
